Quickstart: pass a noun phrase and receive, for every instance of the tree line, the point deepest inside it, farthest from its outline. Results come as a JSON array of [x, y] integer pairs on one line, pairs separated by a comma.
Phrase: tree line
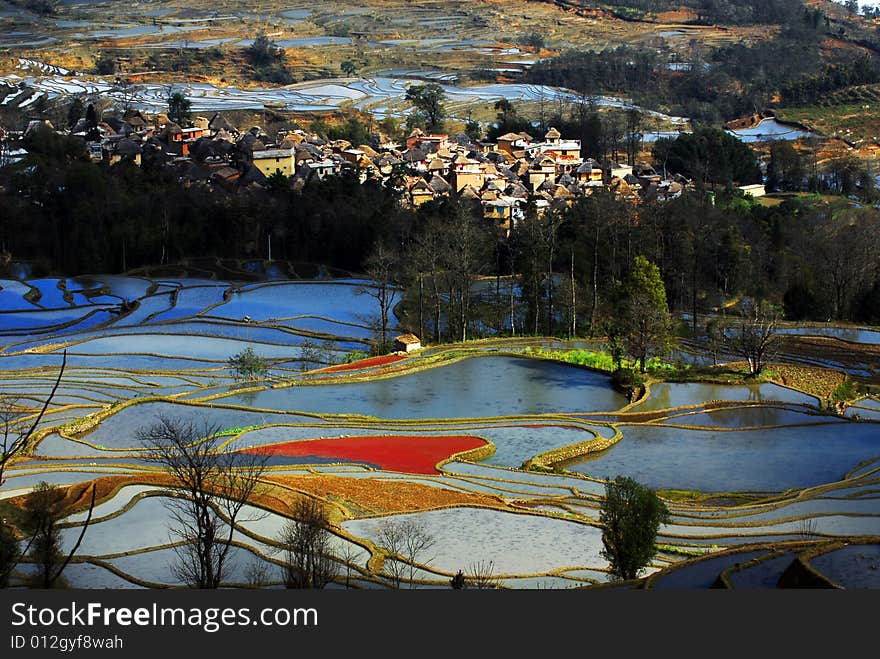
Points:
[[565, 272], [74, 217]]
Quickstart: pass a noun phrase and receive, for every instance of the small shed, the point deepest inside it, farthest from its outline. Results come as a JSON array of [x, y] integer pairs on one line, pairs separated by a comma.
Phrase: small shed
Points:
[[756, 189], [407, 343]]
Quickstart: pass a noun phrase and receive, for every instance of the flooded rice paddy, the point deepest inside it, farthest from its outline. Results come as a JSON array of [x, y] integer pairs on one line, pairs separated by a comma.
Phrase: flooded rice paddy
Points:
[[772, 466]]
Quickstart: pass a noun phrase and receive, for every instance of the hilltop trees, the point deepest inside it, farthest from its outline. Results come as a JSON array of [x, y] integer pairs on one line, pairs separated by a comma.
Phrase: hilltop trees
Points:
[[533, 40], [348, 67], [40, 7], [507, 120], [105, 65], [263, 51], [268, 61]]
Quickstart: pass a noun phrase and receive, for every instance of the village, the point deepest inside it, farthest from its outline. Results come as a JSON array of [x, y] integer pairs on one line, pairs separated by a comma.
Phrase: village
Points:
[[505, 176]]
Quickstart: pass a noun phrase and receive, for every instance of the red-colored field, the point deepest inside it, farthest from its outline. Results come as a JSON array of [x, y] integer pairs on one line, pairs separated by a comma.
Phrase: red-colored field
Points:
[[410, 454], [365, 363]]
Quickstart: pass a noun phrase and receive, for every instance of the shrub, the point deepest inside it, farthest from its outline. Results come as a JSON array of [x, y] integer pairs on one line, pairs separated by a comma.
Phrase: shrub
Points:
[[355, 356], [631, 515], [845, 391], [627, 378], [248, 365]]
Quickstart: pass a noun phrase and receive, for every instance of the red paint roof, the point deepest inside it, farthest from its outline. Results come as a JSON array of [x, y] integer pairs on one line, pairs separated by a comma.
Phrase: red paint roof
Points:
[[364, 363]]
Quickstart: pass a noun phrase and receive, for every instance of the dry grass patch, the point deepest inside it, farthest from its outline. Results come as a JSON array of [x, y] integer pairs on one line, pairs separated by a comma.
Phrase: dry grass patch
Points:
[[819, 382], [376, 496]]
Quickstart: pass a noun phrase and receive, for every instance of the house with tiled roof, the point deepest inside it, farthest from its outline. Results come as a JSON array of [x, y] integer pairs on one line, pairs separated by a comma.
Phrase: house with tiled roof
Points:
[[419, 191], [268, 161], [541, 170]]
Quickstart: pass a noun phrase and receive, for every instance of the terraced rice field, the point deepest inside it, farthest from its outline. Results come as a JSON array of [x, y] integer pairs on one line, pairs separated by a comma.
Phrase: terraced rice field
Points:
[[763, 486]]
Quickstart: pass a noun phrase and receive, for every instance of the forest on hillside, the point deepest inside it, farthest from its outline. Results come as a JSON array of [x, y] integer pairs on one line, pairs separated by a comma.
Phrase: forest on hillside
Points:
[[723, 84]]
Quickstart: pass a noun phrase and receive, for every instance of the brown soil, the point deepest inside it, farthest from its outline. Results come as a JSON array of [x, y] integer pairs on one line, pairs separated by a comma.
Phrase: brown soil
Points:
[[854, 355], [680, 15], [358, 496], [819, 382], [377, 496]]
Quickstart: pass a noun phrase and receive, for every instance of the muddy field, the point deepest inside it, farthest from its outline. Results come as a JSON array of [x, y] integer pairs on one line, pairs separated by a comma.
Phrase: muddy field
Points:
[[451, 35]]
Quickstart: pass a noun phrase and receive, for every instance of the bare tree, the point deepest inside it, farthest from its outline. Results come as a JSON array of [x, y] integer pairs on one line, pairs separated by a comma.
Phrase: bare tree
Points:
[[466, 249], [305, 542], [482, 577], [14, 439], [213, 488], [807, 527], [754, 337], [427, 257], [381, 267], [349, 554], [257, 573], [124, 94], [10, 552], [715, 339], [11, 413], [406, 542], [549, 228]]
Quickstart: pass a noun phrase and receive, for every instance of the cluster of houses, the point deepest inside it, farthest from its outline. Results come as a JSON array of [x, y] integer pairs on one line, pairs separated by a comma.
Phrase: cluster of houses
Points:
[[505, 176]]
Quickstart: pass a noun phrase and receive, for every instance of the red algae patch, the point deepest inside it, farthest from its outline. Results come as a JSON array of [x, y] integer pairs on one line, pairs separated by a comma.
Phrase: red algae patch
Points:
[[410, 454], [364, 363]]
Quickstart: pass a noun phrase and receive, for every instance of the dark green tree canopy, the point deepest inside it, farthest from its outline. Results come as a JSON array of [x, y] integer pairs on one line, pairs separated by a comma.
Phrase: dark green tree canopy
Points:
[[631, 515], [179, 108], [709, 155], [268, 60], [264, 51], [786, 169], [644, 313], [348, 67], [428, 99], [247, 364]]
